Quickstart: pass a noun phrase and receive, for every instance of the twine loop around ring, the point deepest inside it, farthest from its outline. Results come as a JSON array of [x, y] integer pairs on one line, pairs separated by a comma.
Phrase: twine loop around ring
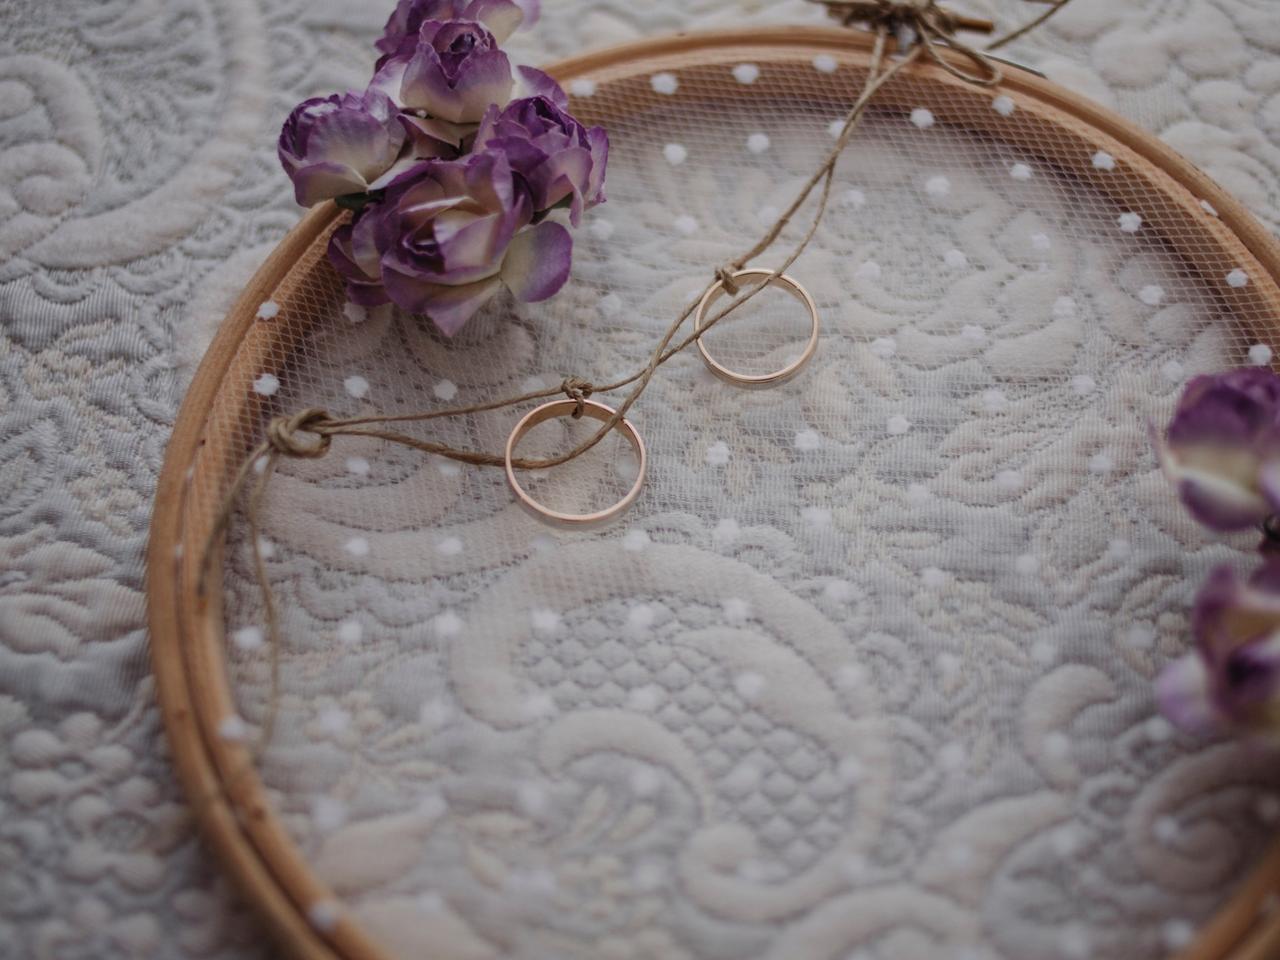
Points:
[[578, 390], [725, 274], [283, 434]]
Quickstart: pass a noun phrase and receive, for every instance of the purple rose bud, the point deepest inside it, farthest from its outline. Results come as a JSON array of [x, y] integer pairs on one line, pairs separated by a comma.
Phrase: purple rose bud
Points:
[[331, 146], [557, 158], [452, 233], [499, 17], [355, 252], [1222, 448], [1231, 681], [450, 70]]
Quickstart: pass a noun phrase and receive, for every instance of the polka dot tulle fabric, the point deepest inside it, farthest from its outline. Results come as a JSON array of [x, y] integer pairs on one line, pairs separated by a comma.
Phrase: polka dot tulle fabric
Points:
[[866, 671]]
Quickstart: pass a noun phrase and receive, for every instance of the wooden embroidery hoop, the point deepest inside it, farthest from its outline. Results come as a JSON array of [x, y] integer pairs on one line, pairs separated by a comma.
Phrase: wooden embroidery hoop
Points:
[[187, 636]]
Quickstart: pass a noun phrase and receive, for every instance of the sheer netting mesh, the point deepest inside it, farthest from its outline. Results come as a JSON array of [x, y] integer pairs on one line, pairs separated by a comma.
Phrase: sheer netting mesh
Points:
[[867, 669]]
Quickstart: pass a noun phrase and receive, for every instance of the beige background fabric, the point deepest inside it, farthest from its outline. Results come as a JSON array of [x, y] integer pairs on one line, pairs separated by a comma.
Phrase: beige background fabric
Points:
[[1037, 809]]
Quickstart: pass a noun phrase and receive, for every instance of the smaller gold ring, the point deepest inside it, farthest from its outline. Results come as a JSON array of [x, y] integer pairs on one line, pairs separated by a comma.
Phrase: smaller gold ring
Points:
[[564, 408], [761, 379]]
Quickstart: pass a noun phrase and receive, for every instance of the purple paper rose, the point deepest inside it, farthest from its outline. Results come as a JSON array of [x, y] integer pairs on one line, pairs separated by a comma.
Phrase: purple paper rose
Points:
[[331, 146], [1231, 681], [1222, 448], [450, 70], [500, 17], [354, 250], [452, 233], [558, 159]]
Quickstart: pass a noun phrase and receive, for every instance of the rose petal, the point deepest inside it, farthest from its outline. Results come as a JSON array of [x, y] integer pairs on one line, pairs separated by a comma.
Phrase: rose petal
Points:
[[538, 261]]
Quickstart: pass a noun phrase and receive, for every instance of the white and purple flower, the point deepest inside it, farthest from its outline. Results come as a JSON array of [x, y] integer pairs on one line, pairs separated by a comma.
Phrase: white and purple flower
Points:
[[1231, 681], [558, 160], [500, 17], [1222, 448], [341, 144]]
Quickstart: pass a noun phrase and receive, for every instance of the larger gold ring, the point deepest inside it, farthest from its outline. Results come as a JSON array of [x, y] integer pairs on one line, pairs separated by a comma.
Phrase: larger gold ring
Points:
[[762, 379], [564, 408]]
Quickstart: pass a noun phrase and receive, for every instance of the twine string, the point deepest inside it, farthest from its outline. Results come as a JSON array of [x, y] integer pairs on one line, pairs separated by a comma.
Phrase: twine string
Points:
[[921, 26]]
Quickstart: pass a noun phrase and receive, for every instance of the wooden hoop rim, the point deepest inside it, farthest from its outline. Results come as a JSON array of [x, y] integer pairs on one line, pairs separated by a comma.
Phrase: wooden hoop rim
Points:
[[187, 637]]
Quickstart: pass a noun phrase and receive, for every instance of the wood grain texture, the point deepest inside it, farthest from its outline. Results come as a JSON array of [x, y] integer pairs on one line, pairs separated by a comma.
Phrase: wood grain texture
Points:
[[187, 636]]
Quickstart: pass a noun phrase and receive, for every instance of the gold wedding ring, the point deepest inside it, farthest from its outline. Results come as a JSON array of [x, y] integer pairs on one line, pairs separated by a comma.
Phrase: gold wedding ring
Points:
[[762, 379], [564, 408]]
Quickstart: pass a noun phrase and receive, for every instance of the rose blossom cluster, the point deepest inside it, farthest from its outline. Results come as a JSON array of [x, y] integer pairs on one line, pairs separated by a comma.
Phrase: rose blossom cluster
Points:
[[1222, 452], [451, 162]]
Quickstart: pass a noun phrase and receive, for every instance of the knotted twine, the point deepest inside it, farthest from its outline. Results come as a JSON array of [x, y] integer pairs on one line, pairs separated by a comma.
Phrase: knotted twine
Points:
[[920, 27]]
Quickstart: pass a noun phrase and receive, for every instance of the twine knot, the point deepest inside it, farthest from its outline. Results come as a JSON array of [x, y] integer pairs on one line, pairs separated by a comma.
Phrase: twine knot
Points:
[[283, 434], [724, 273], [579, 390]]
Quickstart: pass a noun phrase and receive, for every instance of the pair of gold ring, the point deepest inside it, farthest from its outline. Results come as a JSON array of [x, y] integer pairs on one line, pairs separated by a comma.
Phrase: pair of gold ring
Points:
[[603, 413]]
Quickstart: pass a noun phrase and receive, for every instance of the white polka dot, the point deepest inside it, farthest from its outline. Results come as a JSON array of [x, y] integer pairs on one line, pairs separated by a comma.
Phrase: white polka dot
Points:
[[582, 87], [1041, 242], [808, 440], [1064, 308], [1129, 221], [1140, 636], [357, 386], [1159, 729], [1043, 652], [448, 624], [445, 390], [268, 310], [355, 313], [898, 425], [922, 117], [447, 467], [994, 400], [611, 304], [544, 622], [868, 270], [835, 128], [1104, 161], [645, 781], [758, 142], [1101, 463], [645, 699], [727, 530], [324, 915], [932, 577], [1208, 208], [640, 617], [357, 547], [358, 466], [718, 454], [817, 516], [259, 466], [664, 83], [1237, 278], [1027, 564], [1009, 480], [973, 333], [850, 770], [1120, 547], [676, 153], [918, 493], [1260, 354], [851, 676], [1177, 934], [267, 385], [746, 73], [825, 63], [884, 347], [1151, 294], [266, 549], [854, 198], [1166, 829], [333, 720], [328, 813], [350, 631], [951, 756], [736, 610], [685, 225], [1172, 371], [1003, 105], [1020, 171], [633, 541], [601, 229], [1083, 384], [938, 186], [955, 259], [249, 638], [543, 543], [233, 729], [838, 591], [749, 685]]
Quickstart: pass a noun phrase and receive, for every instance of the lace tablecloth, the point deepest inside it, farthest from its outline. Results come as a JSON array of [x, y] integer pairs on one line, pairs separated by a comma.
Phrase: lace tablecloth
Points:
[[139, 190]]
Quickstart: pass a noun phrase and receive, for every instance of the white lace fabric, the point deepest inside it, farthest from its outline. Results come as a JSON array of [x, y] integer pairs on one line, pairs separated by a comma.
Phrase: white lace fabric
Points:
[[867, 669]]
